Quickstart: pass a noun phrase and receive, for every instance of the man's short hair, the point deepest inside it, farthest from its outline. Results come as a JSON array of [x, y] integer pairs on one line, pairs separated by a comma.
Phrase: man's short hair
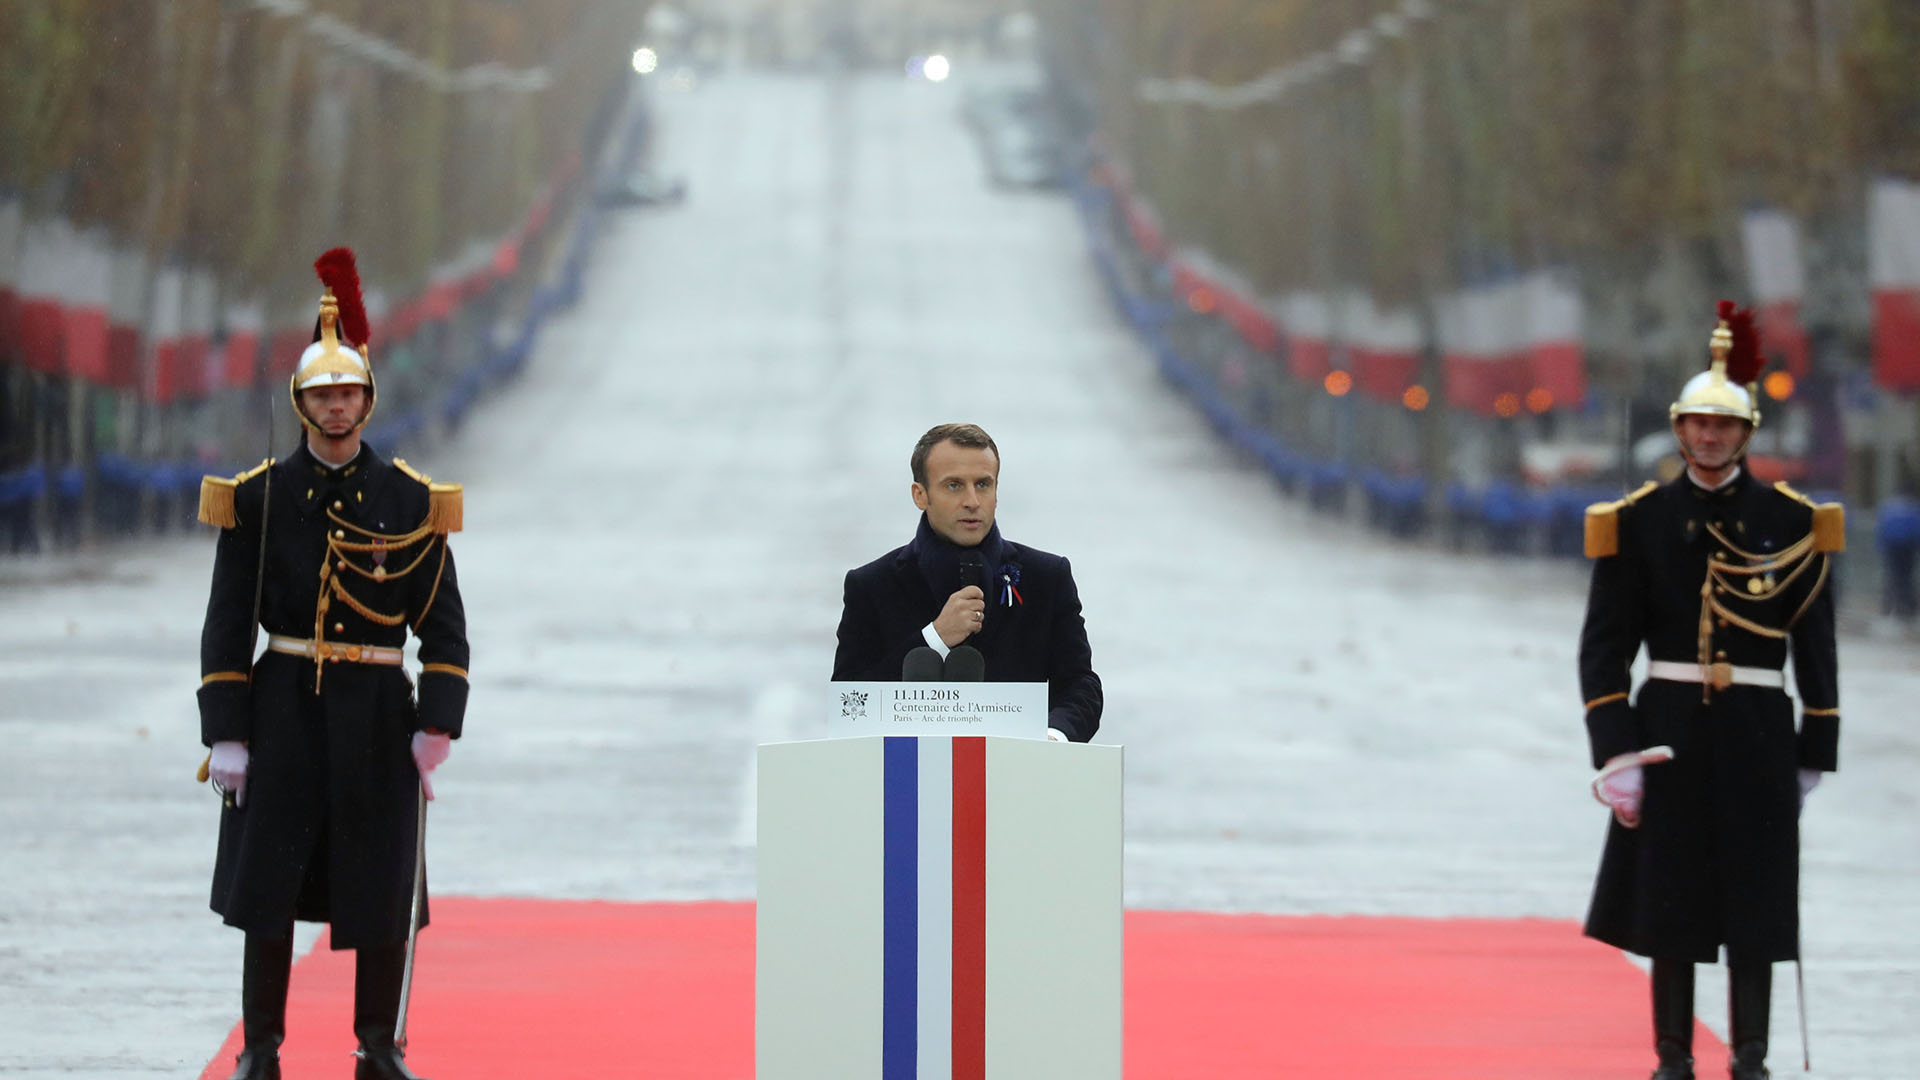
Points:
[[970, 436]]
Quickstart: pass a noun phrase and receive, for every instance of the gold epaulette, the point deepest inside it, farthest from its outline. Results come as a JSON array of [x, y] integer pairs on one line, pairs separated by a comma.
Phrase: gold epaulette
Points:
[[1829, 520], [217, 495], [1603, 523], [445, 502]]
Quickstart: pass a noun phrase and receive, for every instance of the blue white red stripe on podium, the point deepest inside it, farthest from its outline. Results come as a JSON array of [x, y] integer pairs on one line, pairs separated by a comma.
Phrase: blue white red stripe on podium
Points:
[[934, 936]]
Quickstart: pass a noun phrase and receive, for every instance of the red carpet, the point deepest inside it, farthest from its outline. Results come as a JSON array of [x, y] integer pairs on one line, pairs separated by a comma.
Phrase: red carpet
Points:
[[518, 988]]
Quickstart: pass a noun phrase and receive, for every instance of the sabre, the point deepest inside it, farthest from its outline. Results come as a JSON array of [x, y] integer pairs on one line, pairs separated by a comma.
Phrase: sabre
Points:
[[1800, 988], [413, 919], [1799, 973], [266, 508]]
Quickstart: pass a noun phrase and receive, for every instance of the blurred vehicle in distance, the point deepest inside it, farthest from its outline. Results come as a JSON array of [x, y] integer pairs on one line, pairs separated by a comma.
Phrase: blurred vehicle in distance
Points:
[[1019, 137], [1022, 155], [642, 188]]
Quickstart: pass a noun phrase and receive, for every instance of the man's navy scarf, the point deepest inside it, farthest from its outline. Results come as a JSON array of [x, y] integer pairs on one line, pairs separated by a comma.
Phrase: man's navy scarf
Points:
[[939, 561]]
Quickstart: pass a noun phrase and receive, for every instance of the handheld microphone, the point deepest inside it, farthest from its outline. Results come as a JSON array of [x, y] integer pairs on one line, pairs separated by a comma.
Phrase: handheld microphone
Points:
[[964, 664], [921, 665], [973, 569]]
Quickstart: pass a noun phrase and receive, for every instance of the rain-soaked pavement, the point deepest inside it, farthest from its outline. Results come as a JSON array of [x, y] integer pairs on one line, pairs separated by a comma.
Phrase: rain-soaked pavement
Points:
[[658, 519]]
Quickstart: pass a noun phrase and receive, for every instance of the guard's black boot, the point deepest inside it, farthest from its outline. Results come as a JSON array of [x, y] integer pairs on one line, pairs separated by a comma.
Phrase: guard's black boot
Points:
[[377, 973], [1749, 1006], [263, 1006], [1673, 1018]]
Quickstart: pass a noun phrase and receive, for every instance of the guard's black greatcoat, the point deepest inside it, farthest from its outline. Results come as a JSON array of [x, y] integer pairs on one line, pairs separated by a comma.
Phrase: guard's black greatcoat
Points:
[[1715, 860], [327, 831], [1039, 637]]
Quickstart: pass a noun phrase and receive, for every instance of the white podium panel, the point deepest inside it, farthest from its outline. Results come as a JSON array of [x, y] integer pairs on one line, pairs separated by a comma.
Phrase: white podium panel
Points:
[[938, 909]]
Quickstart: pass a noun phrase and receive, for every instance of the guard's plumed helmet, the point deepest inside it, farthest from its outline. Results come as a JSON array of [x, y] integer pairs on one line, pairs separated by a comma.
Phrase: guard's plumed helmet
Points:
[[1727, 387], [338, 355]]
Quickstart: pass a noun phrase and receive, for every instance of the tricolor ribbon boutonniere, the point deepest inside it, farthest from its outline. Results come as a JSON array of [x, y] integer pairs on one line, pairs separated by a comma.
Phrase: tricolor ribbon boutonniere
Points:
[[1010, 581]]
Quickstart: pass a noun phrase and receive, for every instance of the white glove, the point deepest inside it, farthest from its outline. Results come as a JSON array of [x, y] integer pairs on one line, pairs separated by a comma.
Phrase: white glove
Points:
[[1809, 779], [1056, 735], [428, 752], [1622, 791], [228, 768], [1619, 784]]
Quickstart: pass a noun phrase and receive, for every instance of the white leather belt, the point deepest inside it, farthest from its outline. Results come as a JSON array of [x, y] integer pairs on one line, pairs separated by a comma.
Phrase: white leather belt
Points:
[[1720, 674], [337, 651]]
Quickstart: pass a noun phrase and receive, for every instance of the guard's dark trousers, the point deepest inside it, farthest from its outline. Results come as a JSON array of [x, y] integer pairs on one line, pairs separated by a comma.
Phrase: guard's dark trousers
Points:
[[263, 1006], [1673, 1019], [1749, 1005], [377, 974]]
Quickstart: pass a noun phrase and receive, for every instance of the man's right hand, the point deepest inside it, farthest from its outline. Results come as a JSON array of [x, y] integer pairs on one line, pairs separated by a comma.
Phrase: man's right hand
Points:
[[228, 768], [965, 613]]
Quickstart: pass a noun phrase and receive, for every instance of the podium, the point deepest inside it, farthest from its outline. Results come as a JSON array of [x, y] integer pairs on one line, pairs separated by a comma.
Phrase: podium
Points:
[[938, 908]]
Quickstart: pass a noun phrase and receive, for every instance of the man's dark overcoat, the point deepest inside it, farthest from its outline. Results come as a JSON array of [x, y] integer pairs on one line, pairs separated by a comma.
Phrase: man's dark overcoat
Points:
[[1715, 860], [1034, 631], [327, 830]]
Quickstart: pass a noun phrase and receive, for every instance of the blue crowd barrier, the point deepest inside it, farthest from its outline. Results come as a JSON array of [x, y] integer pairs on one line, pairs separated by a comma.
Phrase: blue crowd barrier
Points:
[[1897, 524], [1511, 514], [1566, 516], [22, 486], [1327, 484], [72, 484], [1396, 503], [20, 489], [1897, 535]]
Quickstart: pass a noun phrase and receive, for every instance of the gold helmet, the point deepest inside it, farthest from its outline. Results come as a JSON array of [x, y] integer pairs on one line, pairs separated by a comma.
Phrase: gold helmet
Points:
[[338, 355], [1727, 387]]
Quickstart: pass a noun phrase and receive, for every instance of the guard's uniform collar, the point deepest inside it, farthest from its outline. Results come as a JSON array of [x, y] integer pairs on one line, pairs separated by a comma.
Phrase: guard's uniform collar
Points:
[[332, 473], [318, 485], [1731, 487]]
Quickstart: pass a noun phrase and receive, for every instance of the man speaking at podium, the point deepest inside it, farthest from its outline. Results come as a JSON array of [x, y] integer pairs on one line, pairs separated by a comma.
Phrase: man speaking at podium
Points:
[[959, 587]]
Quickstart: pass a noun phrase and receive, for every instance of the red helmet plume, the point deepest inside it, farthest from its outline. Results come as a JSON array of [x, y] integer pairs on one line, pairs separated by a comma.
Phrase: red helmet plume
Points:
[[1743, 359], [338, 273]]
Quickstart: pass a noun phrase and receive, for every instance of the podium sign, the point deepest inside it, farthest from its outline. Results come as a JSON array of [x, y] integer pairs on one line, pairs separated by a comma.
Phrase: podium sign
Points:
[[938, 909], [1016, 710]]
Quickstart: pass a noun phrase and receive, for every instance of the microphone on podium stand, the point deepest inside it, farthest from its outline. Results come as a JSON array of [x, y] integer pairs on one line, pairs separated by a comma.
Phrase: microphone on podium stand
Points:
[[964, 664], [921, 665]]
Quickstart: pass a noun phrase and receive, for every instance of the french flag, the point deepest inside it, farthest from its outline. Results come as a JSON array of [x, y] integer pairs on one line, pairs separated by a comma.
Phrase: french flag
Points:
[[11, 224], [246, 323], [1893, 272], [1383, 346], [164, 330], [1306, 319], [1772, 240], [1512, 342], [48, 251], [126, 303], [58, 309], [1230, 296], [182, 331], [87, 284]]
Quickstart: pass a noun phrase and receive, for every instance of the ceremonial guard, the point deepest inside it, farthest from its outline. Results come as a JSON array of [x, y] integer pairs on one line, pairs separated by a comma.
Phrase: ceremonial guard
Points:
[[1722, 578], [321, 749]]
